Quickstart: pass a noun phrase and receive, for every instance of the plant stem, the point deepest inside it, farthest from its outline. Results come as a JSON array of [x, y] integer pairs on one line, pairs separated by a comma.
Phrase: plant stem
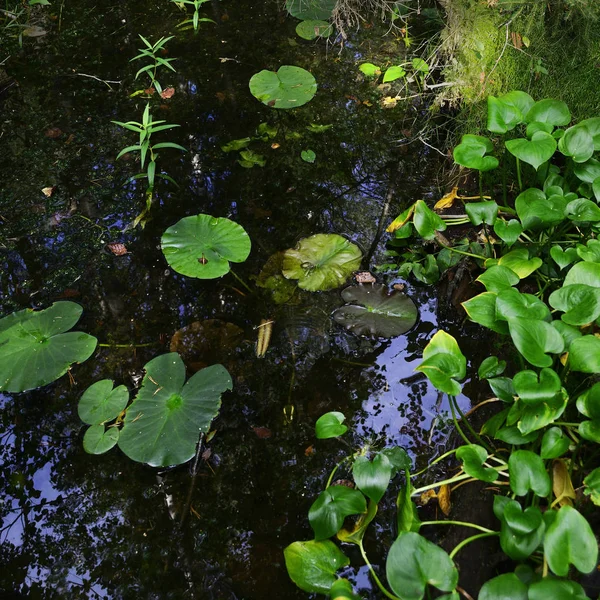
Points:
[[127, 345], [460, 251], [241, 281], [481, 186], [439, 483], [380, 585], [437, 460], [479, 536], [462, 523], [460, 431], [519, 175], [466, 422]]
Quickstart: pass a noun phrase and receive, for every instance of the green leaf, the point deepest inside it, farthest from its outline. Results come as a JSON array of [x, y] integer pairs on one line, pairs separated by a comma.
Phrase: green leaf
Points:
[[584, 272], [330, 425], [311, 29], [518, 260], [588, 403], [587, 171], [236, 145], [393, 73], [583, 211], [289, 87], [511, 303], [532, 390], [503, 388], [372, 310], [534, 152], [98, 441], [537, 416], [359, 528], [482, 309], [590, 252], [590, 430], [310, 9], [508, 232], [584, 354], [471, 153], [592, 126], [553, 112], [498, 278], [342, 590], [554, 443], [34, 348], [321, 262], [570, 540], [427, 222], [556, 589], [482, 212], [577, 143], [369, 69], [592, 486], [372, 477], [100, 403], [308, 156], [249, 159], [202, 246], [568, 332], [163, 424], [506, 112], [414, 562], [512, 435], [328, 511], [316, 128], [399, 459], [504, 587], [443, 363], [535, 340], [408, 515], [536, 211], [528, 473], [579, 302], [473, 458], [491, 367], [562, 257], [312, 565]]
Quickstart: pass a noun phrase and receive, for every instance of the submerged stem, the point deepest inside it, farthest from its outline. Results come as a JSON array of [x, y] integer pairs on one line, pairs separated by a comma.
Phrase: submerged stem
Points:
[[380, 585], [241, 281]]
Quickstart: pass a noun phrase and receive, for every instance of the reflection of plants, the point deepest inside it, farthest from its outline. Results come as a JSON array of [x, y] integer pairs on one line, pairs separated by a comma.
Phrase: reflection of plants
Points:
[[151, 52], [195, 20], [147, 149], [162, 426]]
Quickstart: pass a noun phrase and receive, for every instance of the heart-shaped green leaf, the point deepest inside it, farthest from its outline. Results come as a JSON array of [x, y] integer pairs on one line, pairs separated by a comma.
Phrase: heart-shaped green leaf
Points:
[[506, 112], [557, 589], [568, 332], [528, 473], [498, 278], [372, 477], [579, 302], [482, 212], [473, 458], [311, 29], [289, 87], [321, 262], [532, 390], [588, 171], [588, 403], [583, 211], [443, 363], [328, 511], [369, 69], [504, 587], [359, 526], [491, 367], [570, 540], [511, 303], [414, 562], [101, 403], [534, 417], [518, 260], [203, 246], [584, 272], [310, 9], [522, 521], [554, 443], [471, 153], [590, 430], [535, 340], [312, 565], [399, 459], [35, 350], [482, 309], [508, 232], [97, 440], [535, 151], [330, 425], [393, 73], [563, 258], [584, 354], [536, 211], [577, 143], [590, 252], [342, 590], [512, 435], [162, 425], [554, 112], [427, 222]]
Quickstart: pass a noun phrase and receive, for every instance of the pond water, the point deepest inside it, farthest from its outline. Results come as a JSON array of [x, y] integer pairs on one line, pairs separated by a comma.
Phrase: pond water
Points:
[[82, 526]]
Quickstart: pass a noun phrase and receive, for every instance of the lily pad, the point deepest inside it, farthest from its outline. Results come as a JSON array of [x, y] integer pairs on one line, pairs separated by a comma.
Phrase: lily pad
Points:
[[97, 440], [101, 403], [288, 88], [34, 348], [310, 9], [312, 29], [164, 422], [372, 310], [202, 246], [321, 262]]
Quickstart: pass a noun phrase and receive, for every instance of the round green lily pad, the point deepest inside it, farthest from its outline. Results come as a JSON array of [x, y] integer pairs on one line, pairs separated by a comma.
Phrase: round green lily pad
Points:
[[288, 88], [34, 348], [312, 29], [310, 9], [321, 262], [97, 440], [163, 424], [203, 246], [371, 310], [101, 403]]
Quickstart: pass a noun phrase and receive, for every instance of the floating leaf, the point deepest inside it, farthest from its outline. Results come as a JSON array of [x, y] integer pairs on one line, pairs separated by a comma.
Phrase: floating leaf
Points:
[[312, 565], [101, 403], [289, 87], [321, 262], [308, 156], [34, 348], [202, 246], [312, 29], [163, 424], [372, 310], [393, 73], [310, 9], [330, 425], [97, 440], [370, 70]]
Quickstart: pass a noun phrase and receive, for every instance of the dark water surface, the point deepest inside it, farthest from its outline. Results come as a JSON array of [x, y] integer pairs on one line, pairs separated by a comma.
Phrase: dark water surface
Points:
[[80, 526]]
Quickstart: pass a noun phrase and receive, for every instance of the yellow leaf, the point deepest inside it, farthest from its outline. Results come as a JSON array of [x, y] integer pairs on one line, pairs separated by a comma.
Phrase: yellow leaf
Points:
[[427, 496], [444, 499], [447, 201], [399, 221], [561, 483], [367, 103], [264, 337], [389, 102]]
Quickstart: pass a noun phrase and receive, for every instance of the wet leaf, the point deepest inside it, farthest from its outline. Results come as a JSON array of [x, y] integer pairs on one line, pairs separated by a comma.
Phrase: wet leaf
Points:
[[47, 191], [328, 511], [310, 9], [265, 330], [308, 156], [288, 88], [370, 70], [97, 440], [101, 403], [444, 499], [312, 29], [330, 425]]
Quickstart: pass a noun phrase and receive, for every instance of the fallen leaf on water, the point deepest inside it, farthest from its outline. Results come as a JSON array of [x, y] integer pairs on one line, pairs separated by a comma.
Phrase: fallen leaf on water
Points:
[[117, 249], [264, 337], [309, 451], [47, 191], [34, 31], [220, 96], [53, 133], [389, 102], [425, 497], [447, 201], [262, 433], [444, 499], [275, 146], [167, 93], [364, 277]]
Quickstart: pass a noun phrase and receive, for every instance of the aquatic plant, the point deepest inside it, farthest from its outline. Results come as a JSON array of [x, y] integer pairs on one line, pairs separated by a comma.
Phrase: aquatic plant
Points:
[[163, 424], [321, 262], [152, 52], [202, 246], [289, 87], [319, 10], [36, 347], [195, 20], [313, 29]]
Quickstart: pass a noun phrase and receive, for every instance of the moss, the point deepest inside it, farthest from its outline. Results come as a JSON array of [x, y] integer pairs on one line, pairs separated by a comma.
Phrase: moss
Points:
[[558, 55]]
